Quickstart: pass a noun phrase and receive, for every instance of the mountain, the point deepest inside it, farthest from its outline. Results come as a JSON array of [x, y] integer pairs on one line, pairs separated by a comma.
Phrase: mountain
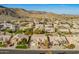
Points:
[[2, 7], [9, 11], [22, 13]]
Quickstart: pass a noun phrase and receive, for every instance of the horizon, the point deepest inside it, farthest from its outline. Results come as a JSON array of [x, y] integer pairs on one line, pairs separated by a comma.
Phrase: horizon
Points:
[[71, 9]]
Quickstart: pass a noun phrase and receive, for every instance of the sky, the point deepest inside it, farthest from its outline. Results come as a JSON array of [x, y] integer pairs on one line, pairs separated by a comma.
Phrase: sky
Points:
[[54, 8]]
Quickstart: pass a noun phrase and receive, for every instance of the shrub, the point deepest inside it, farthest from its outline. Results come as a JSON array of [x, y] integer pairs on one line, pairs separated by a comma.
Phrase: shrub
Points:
[[2, 45], [39, 31], [24, 41], [19, 32], [70, 46], [23, 46], [28, 31]]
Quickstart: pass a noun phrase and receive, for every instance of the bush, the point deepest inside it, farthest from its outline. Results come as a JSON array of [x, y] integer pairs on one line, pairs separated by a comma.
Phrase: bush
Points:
[[24, 41], [23, 46], [18, 32], [2, 45], [28, 31], [70, 46], [39, 31]]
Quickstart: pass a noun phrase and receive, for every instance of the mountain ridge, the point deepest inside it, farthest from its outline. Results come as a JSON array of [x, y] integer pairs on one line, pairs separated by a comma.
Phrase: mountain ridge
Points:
[[23, 13]]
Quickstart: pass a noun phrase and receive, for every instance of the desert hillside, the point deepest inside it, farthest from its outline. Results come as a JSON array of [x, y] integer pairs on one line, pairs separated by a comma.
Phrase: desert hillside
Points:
[[22, 13]]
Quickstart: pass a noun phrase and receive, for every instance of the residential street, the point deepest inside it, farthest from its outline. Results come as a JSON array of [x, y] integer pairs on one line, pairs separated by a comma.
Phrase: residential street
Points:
[[7, 51]]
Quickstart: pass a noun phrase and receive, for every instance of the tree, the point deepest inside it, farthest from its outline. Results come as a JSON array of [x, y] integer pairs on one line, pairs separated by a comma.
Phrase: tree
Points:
[[39, 31], [28, 31]]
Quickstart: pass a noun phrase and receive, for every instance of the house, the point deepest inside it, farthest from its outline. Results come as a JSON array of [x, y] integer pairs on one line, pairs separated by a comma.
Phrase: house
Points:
[[37, 40], [76, 26], [63, 25], [4, 38], [7, 25], [50, 23], [63, 29], [17, 38], [57, 42], [26, 26], [49, 28], [39, 25], [56, 24], [74, 30]]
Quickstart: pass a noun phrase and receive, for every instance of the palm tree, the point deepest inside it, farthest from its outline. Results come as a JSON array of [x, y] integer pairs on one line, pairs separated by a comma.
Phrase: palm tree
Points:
[[29, 40], [66, 39], [49, 43]]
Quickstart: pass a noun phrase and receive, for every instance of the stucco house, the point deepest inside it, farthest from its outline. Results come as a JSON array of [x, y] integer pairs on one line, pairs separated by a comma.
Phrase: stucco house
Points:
[[37, 40], [7, 25], [49, 28], [63, 29], [74, 30]]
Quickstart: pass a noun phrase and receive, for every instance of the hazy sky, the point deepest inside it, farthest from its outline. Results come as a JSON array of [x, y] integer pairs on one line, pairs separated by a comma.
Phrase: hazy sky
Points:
[[55, 8]]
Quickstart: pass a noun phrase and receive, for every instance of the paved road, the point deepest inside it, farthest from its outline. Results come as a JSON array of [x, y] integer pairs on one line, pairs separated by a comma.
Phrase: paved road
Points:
[[9, 51]]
